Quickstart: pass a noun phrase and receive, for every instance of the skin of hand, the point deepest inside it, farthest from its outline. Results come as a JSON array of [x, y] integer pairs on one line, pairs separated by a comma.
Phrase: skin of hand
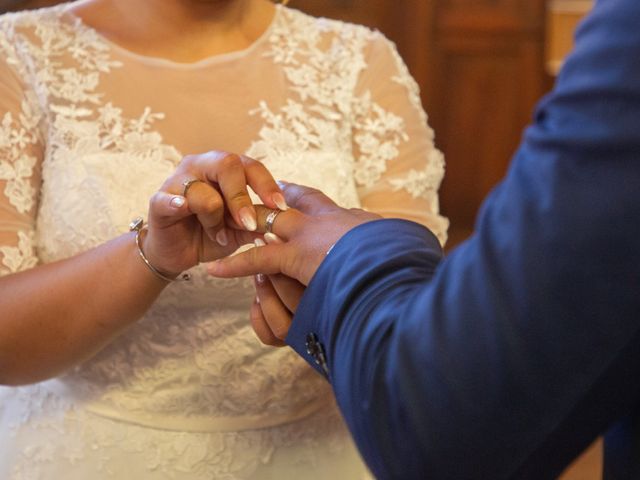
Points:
[[184, 231], [277, 298], [283, 266], [44, 330]]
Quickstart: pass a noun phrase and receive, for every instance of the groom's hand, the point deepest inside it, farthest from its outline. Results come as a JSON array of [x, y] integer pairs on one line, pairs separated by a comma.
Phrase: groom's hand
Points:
[[284, 265], [307, 230]]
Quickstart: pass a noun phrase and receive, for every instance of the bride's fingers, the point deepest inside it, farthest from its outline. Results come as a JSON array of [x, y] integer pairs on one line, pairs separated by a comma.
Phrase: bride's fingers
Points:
[[165, 209], [260, 326], [227, 172], [275, 313], [207, 204], [234, 174], [263, 183]]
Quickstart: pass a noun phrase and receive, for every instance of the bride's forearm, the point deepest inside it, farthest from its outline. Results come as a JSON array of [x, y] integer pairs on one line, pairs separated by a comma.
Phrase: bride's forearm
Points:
[[57, 315]]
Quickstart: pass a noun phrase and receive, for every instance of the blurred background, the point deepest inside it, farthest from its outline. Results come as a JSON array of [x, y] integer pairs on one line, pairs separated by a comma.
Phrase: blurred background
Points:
[[481, 65]]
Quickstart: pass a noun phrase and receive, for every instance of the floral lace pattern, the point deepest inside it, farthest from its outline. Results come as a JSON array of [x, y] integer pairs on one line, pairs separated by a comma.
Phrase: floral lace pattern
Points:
[[17, 167], [91, 441], [17, 259], [219, 404], [421, 183], [326, 78]]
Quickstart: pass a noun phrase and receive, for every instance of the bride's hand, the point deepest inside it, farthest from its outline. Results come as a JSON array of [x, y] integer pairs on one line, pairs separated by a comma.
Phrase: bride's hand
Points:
[[186, 219]]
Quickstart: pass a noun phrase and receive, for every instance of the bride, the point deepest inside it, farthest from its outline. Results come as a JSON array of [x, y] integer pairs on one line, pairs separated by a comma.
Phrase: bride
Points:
[[112, 369]]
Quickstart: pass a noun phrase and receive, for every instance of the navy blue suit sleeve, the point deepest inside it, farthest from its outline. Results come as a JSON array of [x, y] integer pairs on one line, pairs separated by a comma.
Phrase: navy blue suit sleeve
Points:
[[508, 357]]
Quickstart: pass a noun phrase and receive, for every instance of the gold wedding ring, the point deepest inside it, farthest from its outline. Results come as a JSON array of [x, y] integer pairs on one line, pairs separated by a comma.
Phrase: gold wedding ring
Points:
[[187, 184], [268, 222]]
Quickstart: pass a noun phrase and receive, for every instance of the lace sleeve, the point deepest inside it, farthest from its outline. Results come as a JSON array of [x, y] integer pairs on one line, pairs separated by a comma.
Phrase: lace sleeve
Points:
[[398, 170], [21, 153]]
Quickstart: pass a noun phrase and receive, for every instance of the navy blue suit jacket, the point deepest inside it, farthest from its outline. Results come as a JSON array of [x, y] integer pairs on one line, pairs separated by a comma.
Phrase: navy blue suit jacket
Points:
[[510, 356]]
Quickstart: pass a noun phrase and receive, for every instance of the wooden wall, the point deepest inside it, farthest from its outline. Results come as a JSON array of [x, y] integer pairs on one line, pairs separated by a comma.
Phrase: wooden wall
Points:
[[486, 74], [6, 5]]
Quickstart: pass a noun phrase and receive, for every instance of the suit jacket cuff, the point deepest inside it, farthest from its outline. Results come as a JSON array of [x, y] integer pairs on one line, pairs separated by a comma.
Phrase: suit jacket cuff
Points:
[[362, 261]]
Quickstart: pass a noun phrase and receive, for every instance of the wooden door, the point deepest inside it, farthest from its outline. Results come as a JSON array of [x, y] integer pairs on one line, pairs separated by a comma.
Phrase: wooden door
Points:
[[485, 75]]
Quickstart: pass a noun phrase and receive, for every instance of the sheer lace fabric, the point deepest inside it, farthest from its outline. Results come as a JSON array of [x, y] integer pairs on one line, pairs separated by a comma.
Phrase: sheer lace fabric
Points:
[[88, 132]]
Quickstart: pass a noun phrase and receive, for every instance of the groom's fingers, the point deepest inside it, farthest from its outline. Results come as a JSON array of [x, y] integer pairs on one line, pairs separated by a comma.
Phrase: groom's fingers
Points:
[[289, 290], [284, 225], [261, 327], [268, 260], [275, 313], [306, 199]]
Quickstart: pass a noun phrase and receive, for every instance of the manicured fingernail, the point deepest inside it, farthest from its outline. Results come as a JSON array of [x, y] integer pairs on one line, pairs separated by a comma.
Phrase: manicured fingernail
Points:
[[258, 300], [280, 202], [248, 219], [260, 278], [221, 238], [259, 242], [272, 238], [177, 202]]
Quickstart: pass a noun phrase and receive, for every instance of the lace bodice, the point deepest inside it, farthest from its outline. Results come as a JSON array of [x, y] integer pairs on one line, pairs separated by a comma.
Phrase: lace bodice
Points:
[[89, 131]]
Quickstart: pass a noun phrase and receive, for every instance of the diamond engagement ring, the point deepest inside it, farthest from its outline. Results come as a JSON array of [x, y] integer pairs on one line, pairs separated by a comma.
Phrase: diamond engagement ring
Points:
[[268, 222], [186, 184]]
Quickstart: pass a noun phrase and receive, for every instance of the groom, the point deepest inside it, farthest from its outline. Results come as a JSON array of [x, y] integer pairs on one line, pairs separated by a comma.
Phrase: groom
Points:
[[509, 357]]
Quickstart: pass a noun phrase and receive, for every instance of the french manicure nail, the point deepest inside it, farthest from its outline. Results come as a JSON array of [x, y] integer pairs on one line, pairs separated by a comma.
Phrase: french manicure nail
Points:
[[280, 202], [177, 202], [221, 237], [260, 278], [259, 242], [248, 219], [272, 238]]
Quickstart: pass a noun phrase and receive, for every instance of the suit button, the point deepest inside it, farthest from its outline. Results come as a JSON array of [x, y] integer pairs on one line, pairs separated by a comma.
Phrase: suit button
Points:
[[316, 350]]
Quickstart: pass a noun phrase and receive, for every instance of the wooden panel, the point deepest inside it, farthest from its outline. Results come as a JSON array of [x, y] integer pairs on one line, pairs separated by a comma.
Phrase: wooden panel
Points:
[[511, 14], [7, 5], [483, 99], [480, 129], [374, 13], [485, 75]]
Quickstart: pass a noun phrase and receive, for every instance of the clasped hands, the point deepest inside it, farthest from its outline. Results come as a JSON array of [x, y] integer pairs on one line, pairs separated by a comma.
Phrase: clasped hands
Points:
[[214, 216]]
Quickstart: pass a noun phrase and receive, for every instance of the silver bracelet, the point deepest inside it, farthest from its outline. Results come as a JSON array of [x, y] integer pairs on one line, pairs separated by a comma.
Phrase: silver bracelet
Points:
[[137, 225]]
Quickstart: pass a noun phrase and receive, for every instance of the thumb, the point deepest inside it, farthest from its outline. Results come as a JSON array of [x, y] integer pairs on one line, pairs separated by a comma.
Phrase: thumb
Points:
[[306, 199]]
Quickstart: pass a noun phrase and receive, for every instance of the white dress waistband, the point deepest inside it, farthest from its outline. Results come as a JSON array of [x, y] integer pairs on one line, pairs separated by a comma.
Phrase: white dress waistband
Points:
[[192, 423]]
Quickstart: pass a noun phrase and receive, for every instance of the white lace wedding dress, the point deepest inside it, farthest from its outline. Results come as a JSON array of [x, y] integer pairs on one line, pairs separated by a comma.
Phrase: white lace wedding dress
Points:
[[88, 132]]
